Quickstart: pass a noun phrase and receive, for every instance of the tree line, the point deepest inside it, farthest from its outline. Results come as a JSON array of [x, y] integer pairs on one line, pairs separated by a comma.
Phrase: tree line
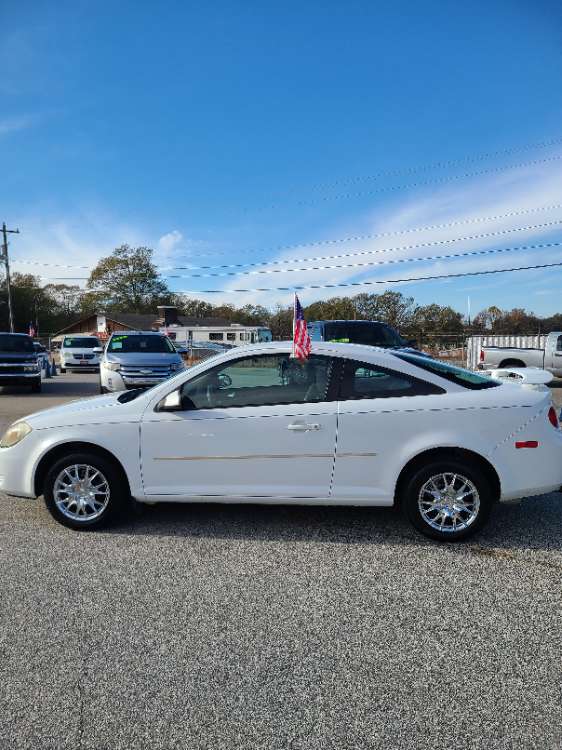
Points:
[[128, 281]]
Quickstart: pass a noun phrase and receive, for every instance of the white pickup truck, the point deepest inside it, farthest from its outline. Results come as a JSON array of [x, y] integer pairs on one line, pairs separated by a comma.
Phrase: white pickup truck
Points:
[[549, 358]]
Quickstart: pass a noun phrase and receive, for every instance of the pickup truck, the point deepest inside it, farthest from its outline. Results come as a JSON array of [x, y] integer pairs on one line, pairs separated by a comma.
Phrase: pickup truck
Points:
[[18, 361], [549, 358]]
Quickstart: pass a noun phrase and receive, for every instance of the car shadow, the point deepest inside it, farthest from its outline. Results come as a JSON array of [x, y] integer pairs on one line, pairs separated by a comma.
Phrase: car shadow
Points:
[[535, 524], [54, 387]]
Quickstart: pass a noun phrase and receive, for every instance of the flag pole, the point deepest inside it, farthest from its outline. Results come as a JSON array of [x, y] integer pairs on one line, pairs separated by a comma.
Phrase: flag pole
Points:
[[294, 322]]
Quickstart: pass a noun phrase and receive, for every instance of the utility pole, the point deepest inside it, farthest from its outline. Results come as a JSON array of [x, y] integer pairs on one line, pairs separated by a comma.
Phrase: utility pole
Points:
[[6, 260]]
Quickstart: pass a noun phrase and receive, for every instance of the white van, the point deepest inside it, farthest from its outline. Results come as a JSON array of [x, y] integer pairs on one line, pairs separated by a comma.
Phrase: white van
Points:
[[77, 353]]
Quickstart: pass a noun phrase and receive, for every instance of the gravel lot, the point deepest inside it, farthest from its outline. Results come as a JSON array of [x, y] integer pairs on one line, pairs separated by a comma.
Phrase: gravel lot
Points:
[[259, 627]]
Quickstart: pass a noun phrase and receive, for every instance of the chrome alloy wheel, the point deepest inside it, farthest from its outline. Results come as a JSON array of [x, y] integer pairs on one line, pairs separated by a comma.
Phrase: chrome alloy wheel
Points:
[[449, 502], [81, 492]]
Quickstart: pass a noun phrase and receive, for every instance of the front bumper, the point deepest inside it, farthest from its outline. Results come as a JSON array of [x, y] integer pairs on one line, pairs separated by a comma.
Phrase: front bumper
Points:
[[114, 380], [80, 365], [25, 378]]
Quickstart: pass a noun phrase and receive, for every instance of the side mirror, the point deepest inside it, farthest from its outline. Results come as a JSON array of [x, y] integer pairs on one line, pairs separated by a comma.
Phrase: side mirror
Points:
[[98, 350], [171, 402]]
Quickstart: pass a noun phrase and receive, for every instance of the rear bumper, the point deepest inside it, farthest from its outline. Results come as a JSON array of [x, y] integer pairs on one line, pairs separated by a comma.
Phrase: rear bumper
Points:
[[528, 472]]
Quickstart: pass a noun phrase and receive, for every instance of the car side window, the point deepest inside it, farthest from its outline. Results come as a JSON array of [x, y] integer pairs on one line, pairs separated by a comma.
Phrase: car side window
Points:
[[559, 344], [262, 380], [364, 380]]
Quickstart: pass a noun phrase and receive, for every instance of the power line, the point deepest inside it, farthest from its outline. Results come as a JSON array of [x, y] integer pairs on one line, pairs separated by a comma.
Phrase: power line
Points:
[[342, 240], [422, 183], [367, 264], [435, 165], [339, 266], [359, 253], [348, 284], [395, 233], [369, 283]]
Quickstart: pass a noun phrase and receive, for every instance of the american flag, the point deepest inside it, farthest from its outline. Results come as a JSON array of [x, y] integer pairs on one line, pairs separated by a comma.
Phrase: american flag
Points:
[[301, 339]]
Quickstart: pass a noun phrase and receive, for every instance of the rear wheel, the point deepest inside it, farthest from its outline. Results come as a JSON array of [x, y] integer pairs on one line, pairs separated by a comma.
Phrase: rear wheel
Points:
[[85, 491], [513, 363], [447, 500]]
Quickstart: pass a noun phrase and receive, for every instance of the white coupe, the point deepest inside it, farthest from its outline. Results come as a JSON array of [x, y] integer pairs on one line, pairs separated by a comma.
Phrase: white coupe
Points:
[[353, 425]]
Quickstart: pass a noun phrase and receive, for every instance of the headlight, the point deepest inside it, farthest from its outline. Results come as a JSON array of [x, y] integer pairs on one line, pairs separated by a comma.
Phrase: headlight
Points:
[[14, 434], [31, 368], [112, 365]]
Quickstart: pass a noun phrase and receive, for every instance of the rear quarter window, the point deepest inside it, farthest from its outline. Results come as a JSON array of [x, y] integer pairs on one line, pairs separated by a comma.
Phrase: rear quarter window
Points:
[[362, 380], [465, 378]]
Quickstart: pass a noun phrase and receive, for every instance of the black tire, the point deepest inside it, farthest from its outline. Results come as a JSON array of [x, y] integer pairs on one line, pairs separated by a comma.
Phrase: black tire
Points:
[[118, 500], [512, 363], [36, 387], [411, 497]]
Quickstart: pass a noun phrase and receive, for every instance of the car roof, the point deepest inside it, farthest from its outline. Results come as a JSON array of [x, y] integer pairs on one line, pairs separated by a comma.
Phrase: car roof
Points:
[[351, 322], [335, 349], [137, 333]]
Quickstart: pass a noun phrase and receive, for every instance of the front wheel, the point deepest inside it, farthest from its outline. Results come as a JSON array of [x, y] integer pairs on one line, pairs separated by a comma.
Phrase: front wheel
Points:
[[85, 491], [447, 500], [36, 387]]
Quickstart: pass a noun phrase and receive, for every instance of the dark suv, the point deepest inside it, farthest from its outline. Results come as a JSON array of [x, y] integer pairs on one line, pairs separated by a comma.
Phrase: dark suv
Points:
[[18, 361]]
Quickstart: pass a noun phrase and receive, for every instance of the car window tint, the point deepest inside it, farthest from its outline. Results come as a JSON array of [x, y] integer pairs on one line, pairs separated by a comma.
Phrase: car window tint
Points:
[[559, 344], [260, 381], [465, 378], [363, 380], [150, 344]]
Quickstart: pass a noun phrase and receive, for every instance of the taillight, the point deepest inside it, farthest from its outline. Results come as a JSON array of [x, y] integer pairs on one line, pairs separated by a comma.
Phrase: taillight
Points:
[[481, 355], [552, 418]]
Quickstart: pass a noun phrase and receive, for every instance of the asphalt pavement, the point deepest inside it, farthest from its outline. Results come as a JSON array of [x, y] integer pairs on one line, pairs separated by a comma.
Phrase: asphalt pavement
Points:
[[276, 627]]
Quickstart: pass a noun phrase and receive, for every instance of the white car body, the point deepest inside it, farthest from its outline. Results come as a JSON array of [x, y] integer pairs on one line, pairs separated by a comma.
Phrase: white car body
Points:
[[340, 452], [79, 357]]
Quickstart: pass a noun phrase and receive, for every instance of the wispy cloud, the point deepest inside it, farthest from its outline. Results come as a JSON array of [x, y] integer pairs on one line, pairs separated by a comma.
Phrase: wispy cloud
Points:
[[15, 124], [79, 240]]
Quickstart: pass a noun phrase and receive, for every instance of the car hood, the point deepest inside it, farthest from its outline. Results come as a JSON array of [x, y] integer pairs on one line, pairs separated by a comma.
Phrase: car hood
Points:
[[96, 410], [142, 358]]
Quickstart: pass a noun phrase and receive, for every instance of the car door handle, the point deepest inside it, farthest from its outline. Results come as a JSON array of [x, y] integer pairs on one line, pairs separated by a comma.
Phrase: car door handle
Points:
[[302, 427]]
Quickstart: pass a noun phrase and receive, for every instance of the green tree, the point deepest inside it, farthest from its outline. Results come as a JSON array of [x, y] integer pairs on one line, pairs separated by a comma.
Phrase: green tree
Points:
[[195, 308], [336, 308], [127, 281], [281, 322]]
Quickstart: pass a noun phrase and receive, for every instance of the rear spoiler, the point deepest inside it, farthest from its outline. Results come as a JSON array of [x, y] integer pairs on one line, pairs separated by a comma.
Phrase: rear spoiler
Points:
[[521, 375]]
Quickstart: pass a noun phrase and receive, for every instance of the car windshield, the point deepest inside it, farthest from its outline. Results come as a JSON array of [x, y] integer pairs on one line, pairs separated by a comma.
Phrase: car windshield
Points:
[[362, 332], [16, 344], [453, 374], [139, 343], [80, 342]]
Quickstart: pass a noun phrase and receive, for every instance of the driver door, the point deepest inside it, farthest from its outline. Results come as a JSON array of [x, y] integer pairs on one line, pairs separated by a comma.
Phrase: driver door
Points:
[[256, 427]]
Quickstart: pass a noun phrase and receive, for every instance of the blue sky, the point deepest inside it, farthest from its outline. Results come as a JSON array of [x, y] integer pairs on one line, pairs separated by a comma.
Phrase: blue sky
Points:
[[219, 133]]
